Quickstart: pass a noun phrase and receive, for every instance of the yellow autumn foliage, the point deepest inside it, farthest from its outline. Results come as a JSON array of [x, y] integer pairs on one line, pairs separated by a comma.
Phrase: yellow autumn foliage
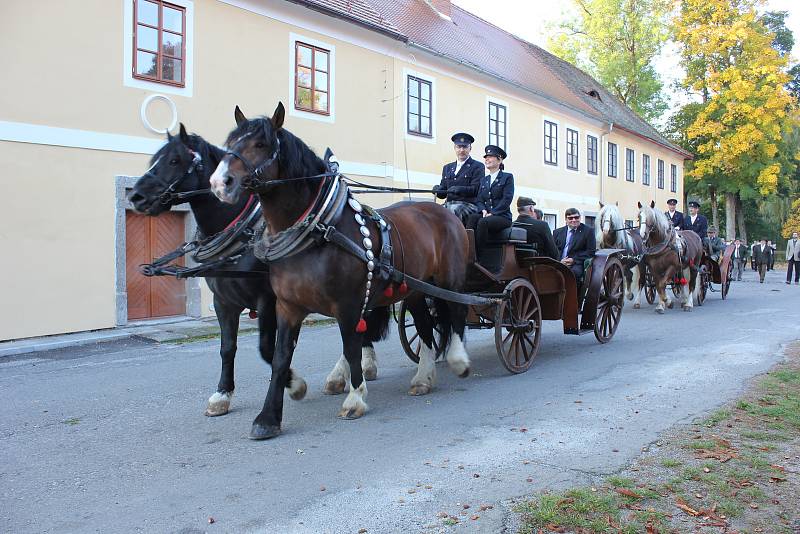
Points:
[[792, 223]]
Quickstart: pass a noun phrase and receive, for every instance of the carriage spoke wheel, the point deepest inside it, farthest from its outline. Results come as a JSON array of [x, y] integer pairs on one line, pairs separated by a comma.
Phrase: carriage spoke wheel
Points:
[[649, 288], [518, 326], [677, 289], [409, 337], [727, 276], [609, 302], [704, 281]]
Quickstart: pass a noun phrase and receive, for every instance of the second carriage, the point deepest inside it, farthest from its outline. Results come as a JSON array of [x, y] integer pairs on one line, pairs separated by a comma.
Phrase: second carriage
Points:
[[521, 289]]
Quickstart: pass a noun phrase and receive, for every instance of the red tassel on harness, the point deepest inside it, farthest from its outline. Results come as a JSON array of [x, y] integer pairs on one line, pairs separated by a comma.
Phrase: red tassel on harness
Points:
[[683, 281], [403, 288], [388, 292], [361, 327], [253, 314]]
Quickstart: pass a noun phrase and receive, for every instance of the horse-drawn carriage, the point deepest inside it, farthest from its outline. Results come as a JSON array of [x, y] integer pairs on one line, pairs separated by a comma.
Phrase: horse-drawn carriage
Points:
[[526, 289], [715, 272]]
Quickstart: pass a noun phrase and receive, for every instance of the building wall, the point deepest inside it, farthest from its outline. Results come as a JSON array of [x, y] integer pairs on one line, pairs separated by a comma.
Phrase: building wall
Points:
[[71, 124]]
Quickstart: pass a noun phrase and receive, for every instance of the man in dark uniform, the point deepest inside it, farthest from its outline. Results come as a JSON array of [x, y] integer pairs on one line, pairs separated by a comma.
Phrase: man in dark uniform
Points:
[[539, 233], [675, 216], [575, 241], [461, 179], [696, 222]]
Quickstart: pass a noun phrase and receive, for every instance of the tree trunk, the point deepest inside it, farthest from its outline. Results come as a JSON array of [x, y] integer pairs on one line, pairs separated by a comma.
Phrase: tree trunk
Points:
[[730, 215], [712, 192], [740, 220]]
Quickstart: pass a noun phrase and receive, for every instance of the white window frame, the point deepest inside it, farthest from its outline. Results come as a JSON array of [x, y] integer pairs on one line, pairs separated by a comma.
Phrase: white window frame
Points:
[[554, 213], [430, 79], [673, 179], [558, 127], [127, 58], [608, 159], [577, 130], [598, 152], [633, 165], [294, 38], [498, 102], [646, 170]]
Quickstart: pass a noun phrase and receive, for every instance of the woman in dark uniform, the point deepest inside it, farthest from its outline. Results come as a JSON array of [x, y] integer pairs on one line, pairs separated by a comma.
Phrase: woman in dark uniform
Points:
[[494, 198]]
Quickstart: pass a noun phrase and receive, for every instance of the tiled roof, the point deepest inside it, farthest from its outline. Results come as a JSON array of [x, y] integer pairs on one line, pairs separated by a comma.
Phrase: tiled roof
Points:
[[471, 41]]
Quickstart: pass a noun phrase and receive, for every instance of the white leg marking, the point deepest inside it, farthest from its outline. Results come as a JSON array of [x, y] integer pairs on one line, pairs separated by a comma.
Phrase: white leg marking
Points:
[[688, 300], [633, 288], [424, 380], [219, 404], [297, 386], [369, 363], [457, 357], [355, 405], [338, 378]]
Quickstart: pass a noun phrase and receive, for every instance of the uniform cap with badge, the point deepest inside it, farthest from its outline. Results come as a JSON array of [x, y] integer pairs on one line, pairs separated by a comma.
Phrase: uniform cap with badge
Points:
[[462, 139], [494, 150]]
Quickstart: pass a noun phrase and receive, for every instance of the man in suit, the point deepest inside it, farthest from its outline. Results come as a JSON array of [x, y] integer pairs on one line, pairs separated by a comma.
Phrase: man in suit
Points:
[[753, 255], [716, 245], [763, 254], [696, 222], [675, 216], [538, 231], [461, 179], [575, 242], [739, 257], [774, 248], [793, 259]]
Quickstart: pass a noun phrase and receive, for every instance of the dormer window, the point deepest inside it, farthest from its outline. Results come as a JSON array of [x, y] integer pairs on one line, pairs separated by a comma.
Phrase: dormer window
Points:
[[594, 94]]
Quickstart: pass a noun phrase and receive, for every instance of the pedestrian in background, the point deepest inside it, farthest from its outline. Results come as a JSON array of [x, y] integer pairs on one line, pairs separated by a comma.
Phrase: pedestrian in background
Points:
[[739, 257], [774, 248], [763, 255], [793, 259], [753, 255]]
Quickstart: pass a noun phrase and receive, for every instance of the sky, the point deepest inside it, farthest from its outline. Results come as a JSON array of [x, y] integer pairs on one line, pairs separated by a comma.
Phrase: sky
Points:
[[529, 19]]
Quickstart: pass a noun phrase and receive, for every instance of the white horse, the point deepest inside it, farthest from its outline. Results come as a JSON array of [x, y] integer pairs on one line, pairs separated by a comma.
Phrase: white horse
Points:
[[612, 233]]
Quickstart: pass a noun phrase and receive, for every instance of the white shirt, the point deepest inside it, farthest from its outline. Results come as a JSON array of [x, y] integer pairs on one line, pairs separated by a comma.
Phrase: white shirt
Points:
[[493, 177], [693, 218], [459, 164]]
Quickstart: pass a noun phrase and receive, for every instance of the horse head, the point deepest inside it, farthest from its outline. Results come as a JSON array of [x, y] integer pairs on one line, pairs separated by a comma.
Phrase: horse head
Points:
[[253, 154], [176, 167]]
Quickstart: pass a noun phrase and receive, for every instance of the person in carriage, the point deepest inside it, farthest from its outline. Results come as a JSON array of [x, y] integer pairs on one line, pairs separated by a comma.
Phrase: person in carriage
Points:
[[716, 245], [538, 231], [676, 217], [696, 221], [461, 179], [494, 198], [576, 243]]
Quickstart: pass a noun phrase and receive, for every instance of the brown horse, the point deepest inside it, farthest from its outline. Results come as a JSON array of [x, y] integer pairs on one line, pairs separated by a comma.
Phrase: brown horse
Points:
[[306, 209], [670, 255]]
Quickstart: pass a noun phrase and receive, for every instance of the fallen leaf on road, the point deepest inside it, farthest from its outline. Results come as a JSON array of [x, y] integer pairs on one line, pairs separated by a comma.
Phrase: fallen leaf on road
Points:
[[485, 507], [680, 503], [475, 517], [628, 493]]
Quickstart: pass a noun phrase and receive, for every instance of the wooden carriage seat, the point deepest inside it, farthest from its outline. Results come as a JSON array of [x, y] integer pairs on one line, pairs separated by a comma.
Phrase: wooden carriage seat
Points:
[[512, 234]]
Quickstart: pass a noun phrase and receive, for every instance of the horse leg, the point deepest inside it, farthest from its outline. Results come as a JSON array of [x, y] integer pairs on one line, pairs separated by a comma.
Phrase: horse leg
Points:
[[689, 290], [377, 329], [354, 405], [640, 281], [228, 317], [267, 423], [337, 379], [369, 361], [661, 287], [267, 327], [457, 357], [424, 380]]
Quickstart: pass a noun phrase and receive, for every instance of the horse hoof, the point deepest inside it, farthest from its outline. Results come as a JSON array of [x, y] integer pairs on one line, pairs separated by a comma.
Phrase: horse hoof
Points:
[[660, 310], [687, 308], [351, 413], [419, 389], [259, 432], [218, 404], [464, 373], [637, 306], [371, 373], [670, 305], [297, 389], [333, 387]]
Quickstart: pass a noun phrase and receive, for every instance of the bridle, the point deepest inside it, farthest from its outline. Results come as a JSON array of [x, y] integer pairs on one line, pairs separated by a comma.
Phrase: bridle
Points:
[[169, 196]]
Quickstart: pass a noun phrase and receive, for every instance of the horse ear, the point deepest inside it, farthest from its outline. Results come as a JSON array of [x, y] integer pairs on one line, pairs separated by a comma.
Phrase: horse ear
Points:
[[639, 204], [184, 135], [653, 204], [277, 117], [169, 136], [239, 116]]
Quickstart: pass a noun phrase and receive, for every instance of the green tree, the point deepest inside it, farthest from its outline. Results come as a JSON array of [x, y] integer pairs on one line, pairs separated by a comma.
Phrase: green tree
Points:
[[616, 41]]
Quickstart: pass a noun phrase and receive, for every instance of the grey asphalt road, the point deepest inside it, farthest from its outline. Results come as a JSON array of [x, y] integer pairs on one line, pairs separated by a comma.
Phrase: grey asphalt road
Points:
[[112, 438]]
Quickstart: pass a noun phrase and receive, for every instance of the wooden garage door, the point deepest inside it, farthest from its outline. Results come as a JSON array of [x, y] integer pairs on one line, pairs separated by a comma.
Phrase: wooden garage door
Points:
[[147, 238]]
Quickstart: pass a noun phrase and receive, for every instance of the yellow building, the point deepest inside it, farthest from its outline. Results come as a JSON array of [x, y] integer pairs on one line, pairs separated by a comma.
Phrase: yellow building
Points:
[[90, 88]]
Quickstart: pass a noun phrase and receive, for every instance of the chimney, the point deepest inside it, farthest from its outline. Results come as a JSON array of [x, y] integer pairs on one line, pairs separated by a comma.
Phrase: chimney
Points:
[[441, 7]]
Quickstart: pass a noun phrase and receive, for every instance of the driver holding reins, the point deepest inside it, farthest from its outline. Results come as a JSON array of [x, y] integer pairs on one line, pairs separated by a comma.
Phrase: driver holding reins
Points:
[[461, 179]]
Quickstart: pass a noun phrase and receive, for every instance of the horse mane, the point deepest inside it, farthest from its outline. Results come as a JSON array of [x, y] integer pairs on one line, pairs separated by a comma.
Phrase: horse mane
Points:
[[661, 224], [620, 238], [208, 152]]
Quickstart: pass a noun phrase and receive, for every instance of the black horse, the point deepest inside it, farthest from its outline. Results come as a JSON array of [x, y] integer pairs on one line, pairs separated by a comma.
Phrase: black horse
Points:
[[304, 208], [184, 164]]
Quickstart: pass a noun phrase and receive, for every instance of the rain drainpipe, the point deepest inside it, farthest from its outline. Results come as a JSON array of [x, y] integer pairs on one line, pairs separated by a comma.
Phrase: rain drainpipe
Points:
[[603, 170]]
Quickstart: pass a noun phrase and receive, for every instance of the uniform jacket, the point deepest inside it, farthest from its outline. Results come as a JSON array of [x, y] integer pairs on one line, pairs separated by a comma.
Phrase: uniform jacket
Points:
[[717, 245], [744, 251], [762, 257], [539, 234], [793, 250], [496, 197], [465, 185], [583, 244], [700, 226], [677, 219]]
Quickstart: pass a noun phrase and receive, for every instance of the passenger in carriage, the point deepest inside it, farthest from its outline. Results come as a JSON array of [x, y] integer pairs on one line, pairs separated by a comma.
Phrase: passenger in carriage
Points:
[[715, 244], [461, 180], [538, 231], [575, 242], [494, 198]]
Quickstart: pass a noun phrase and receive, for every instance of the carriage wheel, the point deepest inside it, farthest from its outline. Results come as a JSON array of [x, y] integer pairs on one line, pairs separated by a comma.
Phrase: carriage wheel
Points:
[[409, 338], [518, 326], [677, 290], [703, 280], [727, 276], [609, 302], [649, 288]]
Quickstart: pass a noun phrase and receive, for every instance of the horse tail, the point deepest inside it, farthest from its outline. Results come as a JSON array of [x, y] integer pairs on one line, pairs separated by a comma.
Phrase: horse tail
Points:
[[377, 324], [443, 322]]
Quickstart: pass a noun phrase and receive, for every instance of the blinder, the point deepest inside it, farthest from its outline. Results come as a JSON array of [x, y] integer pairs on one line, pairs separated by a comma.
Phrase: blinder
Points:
[[169, 195]]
